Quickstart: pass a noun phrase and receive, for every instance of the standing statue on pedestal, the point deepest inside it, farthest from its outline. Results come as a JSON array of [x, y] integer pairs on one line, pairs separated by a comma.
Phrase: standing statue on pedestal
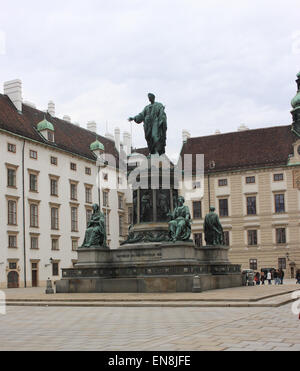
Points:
[[95, 235], [180, 225], [213, 229], [155, 125]]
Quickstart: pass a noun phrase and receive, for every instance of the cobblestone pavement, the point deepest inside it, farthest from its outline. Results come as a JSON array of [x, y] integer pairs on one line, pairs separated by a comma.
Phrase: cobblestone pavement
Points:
[[145, 329]]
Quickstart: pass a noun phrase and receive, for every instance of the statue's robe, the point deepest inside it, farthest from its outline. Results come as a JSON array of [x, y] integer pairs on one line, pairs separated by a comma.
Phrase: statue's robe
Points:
[[180, 226], [95, 234], [155, 126]]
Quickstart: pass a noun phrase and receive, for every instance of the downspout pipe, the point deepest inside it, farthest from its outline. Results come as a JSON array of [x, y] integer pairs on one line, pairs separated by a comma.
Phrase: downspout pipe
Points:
[[209, 201], [24, 213]]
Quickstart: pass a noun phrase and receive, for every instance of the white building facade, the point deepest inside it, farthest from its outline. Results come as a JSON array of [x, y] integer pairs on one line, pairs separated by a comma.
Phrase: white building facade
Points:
[[50, 180]]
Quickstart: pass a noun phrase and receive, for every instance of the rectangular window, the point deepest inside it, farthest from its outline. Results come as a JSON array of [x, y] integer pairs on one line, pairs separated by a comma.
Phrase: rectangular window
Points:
[[279, 203], [121, 225], [89, 214], [73, 166], [251, 205], [74, 244], [223, 207], [253, 264], [282, 263], [278, 177], [11, 177], [50, 136], [88, 195], [73, 191], [34, 243], [54, 218], [88, 171], [198, 239], [54, 187], [33, 183], [106, 217], [226, 238], [12, 266], [130, 215], [11, 148], [280, 235], [105, 176], [12, 241], [33, 154], [252, 238], [105, 199], [197, 210], [74, 219], [53, 160], [55, 244], [55, 269], [120, 202], [250, 179], [34, 216], [12, 212], [223, 182]]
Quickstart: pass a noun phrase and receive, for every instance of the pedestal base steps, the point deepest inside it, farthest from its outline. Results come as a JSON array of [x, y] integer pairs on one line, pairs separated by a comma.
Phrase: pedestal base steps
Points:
[[151, 268]]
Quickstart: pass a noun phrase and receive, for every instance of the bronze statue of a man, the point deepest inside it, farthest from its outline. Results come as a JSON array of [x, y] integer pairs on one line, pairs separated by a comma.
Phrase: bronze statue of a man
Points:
[[155, 125], [213, 229], [95, 235]]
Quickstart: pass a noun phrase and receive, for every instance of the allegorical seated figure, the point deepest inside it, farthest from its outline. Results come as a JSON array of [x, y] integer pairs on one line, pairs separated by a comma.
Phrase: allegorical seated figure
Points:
[[95, 235], [213, 229], [180, 225]]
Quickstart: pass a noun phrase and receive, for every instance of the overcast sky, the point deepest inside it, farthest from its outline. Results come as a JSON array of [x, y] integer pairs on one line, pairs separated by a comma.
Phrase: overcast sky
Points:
[[214, 64]]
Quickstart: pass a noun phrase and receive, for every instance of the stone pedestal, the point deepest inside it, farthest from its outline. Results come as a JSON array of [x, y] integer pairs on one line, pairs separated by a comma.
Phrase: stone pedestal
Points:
[[152, 268]]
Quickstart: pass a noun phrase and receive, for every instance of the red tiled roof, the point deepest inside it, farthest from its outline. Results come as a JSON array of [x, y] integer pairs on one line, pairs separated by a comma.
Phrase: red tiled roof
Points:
[[241, 150], [68, 137]]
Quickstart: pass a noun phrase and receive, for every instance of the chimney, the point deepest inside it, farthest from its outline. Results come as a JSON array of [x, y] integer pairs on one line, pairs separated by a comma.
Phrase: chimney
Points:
[[13, 89], [243, 127], [67, 118], [92, 126], [117, 138], [51, 108], [109, 136], [185, 135], [127, 142]]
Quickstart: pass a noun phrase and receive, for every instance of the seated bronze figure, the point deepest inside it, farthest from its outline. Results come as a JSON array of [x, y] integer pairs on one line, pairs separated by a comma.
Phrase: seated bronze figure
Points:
[[95, 235], [180, 225]]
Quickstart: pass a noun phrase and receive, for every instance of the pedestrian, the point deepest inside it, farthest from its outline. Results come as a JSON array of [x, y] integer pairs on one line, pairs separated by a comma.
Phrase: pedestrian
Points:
[[277, 277], [262, 278], [269, 278], [257, 279], [281, 276], [298, 277]]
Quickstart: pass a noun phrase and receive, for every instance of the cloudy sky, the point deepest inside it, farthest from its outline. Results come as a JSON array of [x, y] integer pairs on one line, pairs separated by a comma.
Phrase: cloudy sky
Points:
[[214, 64]]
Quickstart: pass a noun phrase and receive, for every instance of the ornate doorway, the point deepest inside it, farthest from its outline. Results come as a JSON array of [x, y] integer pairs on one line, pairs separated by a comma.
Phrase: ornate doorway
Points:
[[13, 280]]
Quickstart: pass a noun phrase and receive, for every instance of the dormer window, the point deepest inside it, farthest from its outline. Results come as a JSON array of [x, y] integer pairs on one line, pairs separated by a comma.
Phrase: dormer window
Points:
[[50, 136], [46, 129]]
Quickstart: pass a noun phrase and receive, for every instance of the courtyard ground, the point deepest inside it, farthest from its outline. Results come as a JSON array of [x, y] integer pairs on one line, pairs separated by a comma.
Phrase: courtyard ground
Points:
[[247, 318]]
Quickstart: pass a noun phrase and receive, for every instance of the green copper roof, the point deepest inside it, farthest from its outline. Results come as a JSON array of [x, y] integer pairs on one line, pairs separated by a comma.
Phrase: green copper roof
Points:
[[97, 146], [45, 125]]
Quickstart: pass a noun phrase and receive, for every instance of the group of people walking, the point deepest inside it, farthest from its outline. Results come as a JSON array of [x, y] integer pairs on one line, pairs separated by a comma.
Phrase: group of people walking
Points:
[[277, 276]]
